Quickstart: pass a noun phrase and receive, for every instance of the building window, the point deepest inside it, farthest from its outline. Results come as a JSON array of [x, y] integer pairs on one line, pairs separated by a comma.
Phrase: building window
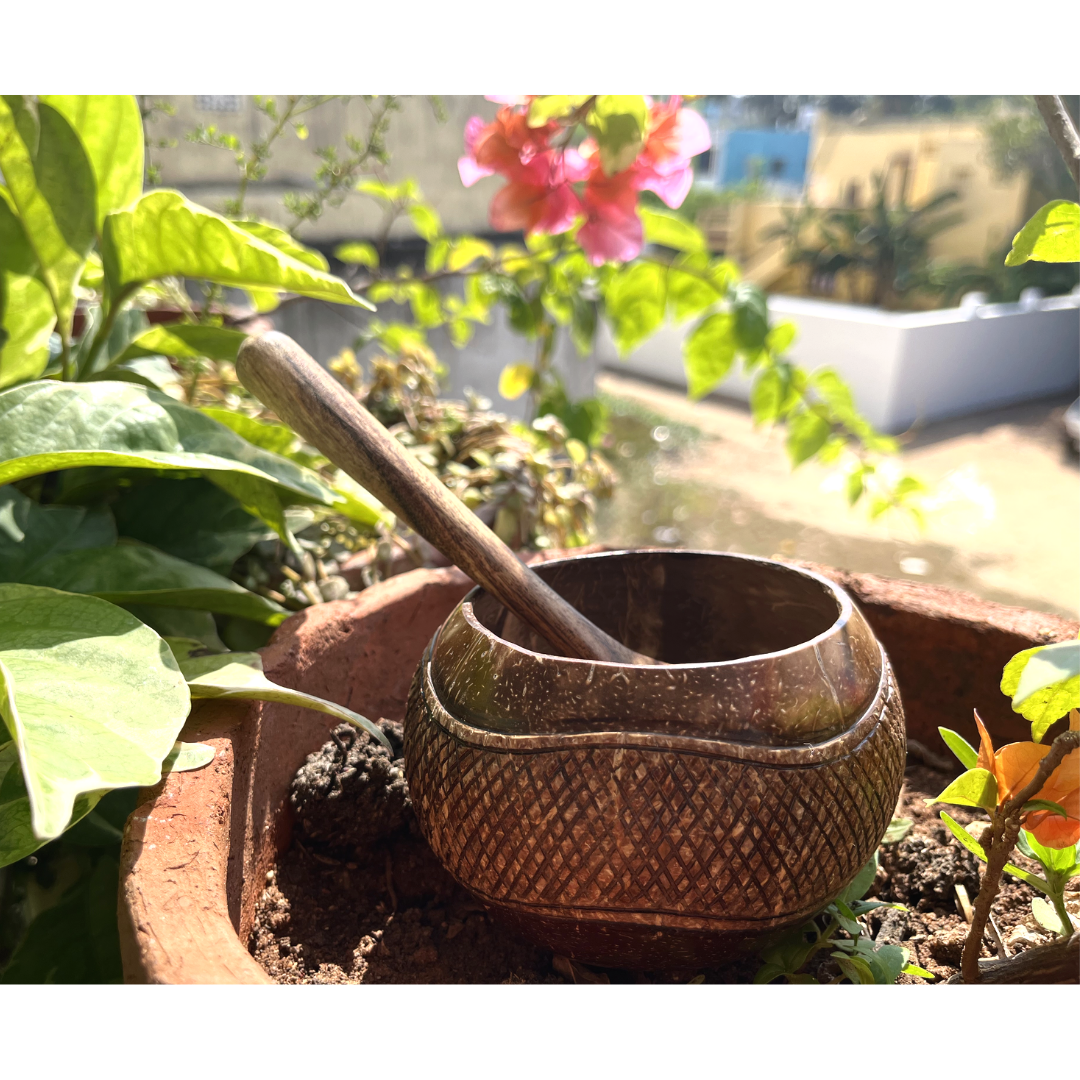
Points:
[[218, 102]]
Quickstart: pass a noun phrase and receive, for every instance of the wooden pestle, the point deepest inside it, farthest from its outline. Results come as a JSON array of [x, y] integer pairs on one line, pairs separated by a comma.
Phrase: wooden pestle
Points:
[[284, 377]]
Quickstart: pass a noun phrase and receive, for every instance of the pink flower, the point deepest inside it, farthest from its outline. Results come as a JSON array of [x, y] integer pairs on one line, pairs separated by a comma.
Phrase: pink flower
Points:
[[674, 136], [468, 168], [612, 229], [538, 197]]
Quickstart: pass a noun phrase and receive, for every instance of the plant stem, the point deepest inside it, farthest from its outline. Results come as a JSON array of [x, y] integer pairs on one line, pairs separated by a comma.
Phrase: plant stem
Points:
[[1062, 130], [1058, 899], [67, 373], [107, 323], [1005, 825]]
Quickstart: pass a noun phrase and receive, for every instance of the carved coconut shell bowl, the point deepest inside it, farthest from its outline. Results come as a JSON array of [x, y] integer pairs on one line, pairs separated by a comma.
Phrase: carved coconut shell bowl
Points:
[[663, 816], [622, 811]]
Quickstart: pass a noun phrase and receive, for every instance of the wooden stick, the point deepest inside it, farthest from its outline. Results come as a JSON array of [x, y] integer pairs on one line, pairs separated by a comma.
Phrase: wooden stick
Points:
[[312, 402]]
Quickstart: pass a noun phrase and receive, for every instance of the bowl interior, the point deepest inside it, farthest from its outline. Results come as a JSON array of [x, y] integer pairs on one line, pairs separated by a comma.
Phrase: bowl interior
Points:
[[682, 607]]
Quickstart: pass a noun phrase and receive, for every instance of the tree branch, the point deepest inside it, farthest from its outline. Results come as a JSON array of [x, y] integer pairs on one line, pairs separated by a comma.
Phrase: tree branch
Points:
[[1063, 131]]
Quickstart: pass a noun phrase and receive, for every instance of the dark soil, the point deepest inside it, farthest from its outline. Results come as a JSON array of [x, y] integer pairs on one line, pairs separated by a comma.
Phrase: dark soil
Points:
[[358, 897]]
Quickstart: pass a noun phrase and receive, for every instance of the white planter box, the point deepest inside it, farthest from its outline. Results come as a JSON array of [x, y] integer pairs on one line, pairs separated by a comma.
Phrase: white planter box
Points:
[[907, 366]]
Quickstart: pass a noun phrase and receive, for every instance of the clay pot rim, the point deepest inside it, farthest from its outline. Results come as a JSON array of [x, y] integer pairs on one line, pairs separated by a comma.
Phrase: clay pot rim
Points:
[[843, 601]]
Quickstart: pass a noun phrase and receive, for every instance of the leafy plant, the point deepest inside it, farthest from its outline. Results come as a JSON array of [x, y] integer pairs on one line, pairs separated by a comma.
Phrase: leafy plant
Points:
[[1030, 790], [887, 244], [857, 958]]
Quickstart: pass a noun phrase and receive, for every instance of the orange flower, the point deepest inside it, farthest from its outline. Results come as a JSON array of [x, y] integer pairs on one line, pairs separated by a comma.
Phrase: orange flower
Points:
[[1014, 767]]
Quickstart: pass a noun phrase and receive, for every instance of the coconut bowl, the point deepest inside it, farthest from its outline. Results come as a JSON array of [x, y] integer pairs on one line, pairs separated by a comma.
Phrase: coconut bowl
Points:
[[668, 816]]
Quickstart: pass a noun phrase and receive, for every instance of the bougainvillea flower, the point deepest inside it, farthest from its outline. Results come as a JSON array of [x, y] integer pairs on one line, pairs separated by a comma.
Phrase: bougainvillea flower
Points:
[[612, 229], [538, 197], [674, 136], [1014, 767], [468, 168]]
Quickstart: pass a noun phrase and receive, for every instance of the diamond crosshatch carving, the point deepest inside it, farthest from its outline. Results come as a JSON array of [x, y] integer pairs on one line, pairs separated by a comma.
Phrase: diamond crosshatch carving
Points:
[[708, 839]]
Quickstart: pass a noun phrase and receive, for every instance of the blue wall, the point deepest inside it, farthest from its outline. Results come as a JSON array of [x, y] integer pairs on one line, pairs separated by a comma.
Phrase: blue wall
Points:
[[789, 149]]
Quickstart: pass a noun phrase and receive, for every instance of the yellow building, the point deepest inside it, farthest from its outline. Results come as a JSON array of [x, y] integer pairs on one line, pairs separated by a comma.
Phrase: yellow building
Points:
[[919, 157]]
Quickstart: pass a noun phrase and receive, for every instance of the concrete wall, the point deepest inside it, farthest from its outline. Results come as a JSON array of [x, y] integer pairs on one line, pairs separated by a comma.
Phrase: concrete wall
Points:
[[904, 367], [419, 146], [325, 329]]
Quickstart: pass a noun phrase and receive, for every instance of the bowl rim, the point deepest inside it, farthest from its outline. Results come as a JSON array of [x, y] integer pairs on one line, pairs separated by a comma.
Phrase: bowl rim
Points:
[[844, 616]]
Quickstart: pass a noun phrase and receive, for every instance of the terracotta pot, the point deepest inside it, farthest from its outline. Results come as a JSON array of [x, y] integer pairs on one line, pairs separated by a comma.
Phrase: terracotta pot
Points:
[[658, 817], [197, 849]]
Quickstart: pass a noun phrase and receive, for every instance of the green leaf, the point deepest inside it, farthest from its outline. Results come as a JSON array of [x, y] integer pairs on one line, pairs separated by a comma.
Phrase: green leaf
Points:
[[133, 573], [1052, 235], [358, 504], [553, 106], [897, 830], [27, 316], [1043, 804], [240, 675], [636, 298], [670, 230], [92, 698], [966, 754], [17, 839], [582, 324], [750, 307], [1044, 683], [976, 787], [891, 960], [807, 433], [780, 338], [466, 250], [173, 623], [425, 220], [216, 532], [515, 380], [51, 187], [76, 940], [862, 881], [277, 438], [768, 395], [52, 425], [31, 535], [110, 129], [165, 234], [845, 917], [617, 122], [709, 353], [1053, 859], [286, 242], [1032, 879], [358, 254], [689, 286], [1047, 917], [855, 968], [914, 969], [186, 757], [768, 973], [963, 836], [186, 341]]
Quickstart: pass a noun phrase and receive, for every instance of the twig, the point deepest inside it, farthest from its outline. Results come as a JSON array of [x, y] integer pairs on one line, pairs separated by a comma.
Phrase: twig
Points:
[[1062, 130], [995, 933], [1004, 830], [964, 901]]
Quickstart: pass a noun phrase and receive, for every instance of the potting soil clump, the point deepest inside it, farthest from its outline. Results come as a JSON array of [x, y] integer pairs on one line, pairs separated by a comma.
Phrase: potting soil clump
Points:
[[358, 897]]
